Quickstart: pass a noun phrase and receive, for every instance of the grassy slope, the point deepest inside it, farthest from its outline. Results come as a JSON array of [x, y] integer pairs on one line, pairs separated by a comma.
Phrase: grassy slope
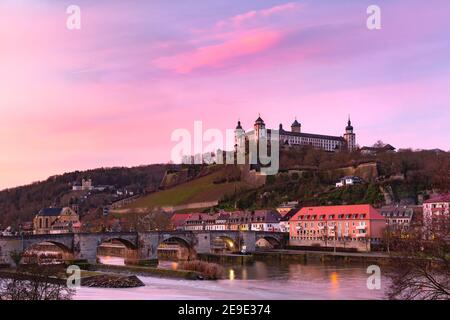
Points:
[[198, 190]]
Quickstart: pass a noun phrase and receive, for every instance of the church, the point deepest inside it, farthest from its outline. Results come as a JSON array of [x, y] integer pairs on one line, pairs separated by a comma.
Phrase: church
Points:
[[295, 137]]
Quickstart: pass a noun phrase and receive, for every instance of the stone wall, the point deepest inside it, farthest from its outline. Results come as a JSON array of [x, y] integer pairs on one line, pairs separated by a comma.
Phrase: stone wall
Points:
[[361, 246]]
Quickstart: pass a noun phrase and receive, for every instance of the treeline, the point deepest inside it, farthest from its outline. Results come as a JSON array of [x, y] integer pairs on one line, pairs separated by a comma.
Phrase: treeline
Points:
[[22, 203], [406, 174]]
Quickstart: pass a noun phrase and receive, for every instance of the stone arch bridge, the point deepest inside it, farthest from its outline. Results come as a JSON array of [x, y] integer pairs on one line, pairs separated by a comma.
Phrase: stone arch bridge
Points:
[[139, 245]]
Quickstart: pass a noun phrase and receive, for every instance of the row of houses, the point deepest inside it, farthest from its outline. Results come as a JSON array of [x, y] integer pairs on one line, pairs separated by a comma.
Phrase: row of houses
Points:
[[349, 226], [257, 220], [359, 227]]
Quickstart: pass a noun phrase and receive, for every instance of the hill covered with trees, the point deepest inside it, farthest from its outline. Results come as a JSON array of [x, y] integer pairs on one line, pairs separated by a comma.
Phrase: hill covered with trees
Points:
[[306, 175], [309, 176], [22, 203]]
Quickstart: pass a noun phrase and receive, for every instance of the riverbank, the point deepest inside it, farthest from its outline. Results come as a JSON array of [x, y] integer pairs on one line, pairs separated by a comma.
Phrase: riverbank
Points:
[[322, 256], [88, 278], [301, 256], [149, 271]]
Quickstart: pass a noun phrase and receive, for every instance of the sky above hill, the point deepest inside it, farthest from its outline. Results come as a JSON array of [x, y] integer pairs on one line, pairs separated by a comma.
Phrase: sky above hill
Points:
[[111, 93]]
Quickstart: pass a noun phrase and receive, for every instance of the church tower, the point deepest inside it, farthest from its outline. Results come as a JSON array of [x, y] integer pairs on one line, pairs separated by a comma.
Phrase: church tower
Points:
[[349, 136]]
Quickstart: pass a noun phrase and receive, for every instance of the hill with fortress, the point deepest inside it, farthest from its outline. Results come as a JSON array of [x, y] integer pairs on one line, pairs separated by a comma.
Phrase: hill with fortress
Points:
[[307, 175]]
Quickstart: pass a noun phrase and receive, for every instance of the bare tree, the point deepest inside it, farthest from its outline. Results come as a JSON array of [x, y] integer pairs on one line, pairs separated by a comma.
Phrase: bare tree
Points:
[[420, 268], [34, 283], [154, 220]]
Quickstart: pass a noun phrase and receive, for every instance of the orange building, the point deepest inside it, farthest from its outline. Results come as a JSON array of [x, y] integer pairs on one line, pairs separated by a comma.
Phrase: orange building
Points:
[[349, 226]]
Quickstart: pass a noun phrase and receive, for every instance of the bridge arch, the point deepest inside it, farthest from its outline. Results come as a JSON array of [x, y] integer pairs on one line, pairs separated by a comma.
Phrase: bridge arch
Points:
[[268, 241], [45, 252], [175, 248], [117, 250], [223, 244]]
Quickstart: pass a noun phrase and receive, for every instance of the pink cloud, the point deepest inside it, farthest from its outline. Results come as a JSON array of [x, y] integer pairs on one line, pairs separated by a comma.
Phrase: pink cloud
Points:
[[240, 45], [237, 20], [280, 8]]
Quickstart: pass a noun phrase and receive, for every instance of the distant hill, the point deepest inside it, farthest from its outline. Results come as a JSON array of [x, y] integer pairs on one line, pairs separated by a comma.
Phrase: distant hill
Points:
[[212, 185], [306, 175], [22, 203]]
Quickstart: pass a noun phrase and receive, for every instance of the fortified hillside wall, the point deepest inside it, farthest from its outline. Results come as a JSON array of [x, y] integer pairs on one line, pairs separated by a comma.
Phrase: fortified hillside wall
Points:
[[253, 178], [367, 171]]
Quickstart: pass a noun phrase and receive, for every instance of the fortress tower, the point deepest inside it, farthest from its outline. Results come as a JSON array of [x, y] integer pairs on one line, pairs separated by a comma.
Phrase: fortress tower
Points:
[[349, 136]]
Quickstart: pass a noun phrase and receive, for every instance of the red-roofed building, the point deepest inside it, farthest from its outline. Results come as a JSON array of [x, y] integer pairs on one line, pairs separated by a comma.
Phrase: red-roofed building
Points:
[[347, 226], [178, 219]]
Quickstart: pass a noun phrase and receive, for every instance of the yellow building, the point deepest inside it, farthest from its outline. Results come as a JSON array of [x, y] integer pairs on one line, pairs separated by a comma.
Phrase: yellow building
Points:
[[56, 220]]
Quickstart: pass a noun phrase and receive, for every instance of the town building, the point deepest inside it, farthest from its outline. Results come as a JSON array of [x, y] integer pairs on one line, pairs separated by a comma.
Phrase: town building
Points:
[[26, 228], [434, 209], [56, 220], [295, 137], [177, 220], [348, 181], [87, 185], [257, 220], [356, 227], [285, 207], [399, 217], [377, 150], [285, 220]]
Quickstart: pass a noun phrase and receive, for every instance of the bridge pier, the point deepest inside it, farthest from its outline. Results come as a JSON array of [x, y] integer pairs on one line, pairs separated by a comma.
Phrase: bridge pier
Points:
[[85, 247], [7, 248]]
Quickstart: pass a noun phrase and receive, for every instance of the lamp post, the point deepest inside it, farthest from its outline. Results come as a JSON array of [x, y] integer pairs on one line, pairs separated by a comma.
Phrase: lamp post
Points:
[[388, 230], [334, 250]]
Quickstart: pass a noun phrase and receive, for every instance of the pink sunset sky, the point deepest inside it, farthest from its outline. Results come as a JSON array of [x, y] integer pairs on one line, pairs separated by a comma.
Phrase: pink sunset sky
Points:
[[112, 93]]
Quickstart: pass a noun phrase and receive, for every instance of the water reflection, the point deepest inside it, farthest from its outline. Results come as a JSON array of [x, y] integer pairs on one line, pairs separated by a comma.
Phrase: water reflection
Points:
[[110, 260], [231, 274], [334, 279], [258, 281]]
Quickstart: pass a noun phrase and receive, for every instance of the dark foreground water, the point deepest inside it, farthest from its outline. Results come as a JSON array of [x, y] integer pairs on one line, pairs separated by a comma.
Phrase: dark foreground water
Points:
[[259, 281]]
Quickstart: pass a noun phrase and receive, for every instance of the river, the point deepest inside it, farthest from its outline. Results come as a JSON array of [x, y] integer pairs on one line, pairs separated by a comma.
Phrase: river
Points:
[[258, 281]]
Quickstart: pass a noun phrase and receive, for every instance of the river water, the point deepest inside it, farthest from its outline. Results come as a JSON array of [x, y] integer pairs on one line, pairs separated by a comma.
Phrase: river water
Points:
[[258, 281]]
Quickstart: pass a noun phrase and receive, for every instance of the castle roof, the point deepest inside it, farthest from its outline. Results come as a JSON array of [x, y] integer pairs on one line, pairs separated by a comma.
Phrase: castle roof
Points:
[[349, 125], [295, 123], [259, 120], [312, 135]]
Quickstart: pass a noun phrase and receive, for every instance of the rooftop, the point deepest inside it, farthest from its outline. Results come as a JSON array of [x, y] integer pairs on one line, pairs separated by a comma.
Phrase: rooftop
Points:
[[439, 198], [53, 212], [367, 209]]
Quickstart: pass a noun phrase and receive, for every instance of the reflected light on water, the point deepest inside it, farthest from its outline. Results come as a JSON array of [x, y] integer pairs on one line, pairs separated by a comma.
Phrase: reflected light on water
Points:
[[231, 274], [110, 260], [244, 274], [334, 280]]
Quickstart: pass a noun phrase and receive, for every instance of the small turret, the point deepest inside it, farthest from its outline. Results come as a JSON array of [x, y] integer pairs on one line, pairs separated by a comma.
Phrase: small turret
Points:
[[296, 126]]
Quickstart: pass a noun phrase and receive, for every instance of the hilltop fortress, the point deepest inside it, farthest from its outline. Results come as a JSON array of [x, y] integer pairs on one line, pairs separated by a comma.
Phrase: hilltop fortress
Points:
[[297, 137]]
